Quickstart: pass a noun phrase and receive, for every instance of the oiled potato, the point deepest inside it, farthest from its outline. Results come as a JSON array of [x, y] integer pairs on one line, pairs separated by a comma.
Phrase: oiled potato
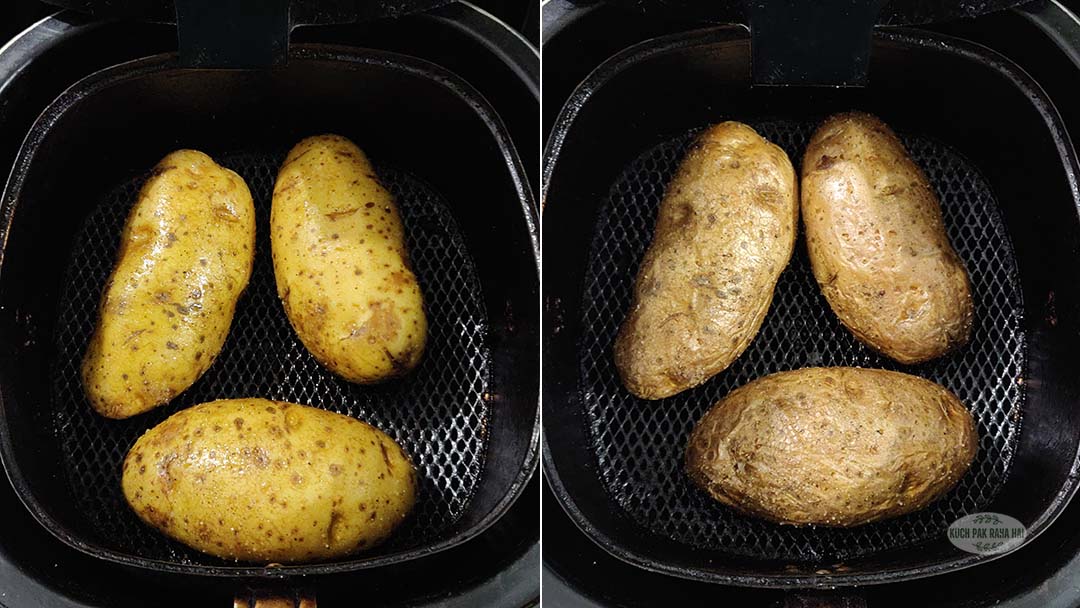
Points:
[[837, 446], [342, 270], [877, 242], [725, 231], [185, 257], [265, 481]]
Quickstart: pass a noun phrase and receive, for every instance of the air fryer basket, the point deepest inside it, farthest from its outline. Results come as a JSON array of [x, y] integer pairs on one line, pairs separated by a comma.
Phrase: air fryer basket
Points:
[[1006, 175], [467, 415]]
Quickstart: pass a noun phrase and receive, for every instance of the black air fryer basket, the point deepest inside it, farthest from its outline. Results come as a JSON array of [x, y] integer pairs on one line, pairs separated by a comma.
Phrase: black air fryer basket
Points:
[[996, 152], [467, 415]]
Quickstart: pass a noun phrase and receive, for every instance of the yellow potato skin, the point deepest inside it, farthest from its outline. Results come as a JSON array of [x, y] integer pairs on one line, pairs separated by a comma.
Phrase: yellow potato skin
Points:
[[877, 242], [264, 481], [342, 271], [185, 258], [725, 230], [834, 446]]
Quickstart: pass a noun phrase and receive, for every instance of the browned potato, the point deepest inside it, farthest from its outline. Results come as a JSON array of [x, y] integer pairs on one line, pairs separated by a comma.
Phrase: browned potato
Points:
[[725, 231], [265, 481], [185, 257], [838, 446], [877, 242]]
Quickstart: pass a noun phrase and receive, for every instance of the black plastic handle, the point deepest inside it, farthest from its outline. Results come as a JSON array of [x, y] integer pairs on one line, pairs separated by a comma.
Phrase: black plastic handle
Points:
[[818, 43], [233, 33]]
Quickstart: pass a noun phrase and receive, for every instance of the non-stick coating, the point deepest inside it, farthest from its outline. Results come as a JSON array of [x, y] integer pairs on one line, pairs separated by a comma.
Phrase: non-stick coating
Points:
[[437, 413], [1013, 155], [639, 444], [468, 414]]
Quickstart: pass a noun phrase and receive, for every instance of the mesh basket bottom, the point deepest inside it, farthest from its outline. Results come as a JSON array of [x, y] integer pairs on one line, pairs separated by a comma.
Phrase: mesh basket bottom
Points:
[[438, 413], [639, 444]]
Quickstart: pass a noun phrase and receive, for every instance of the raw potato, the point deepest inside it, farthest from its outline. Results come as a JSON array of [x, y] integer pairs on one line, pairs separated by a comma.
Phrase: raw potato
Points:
[[185, 257], [725, 231], [837, 446], [264, 481], [342, 270], [877, 242]]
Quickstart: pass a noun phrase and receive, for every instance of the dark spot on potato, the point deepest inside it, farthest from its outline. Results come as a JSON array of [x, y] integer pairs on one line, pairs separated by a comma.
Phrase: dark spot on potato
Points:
[[157, 518], [334, 215], [320, 444], [171, 345], [239, 423], [256, 456], [825, 162], [335, 469], [386, 457]]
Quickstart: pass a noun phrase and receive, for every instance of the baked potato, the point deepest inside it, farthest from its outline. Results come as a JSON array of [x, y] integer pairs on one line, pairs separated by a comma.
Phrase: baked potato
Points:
[[264, 481], [185, 258], [342, 271], [877, 242], [724, 232], [832, 446]]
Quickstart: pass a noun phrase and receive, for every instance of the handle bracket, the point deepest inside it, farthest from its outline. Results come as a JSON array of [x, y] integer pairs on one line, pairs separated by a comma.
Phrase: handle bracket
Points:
[[817, 43], [233, 33]]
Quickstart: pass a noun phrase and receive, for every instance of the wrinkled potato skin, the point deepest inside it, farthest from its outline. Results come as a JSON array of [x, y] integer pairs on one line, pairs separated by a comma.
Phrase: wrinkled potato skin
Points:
[[342, 270], [185, 258], [264, 481], [834, 446], [878, 245], [725, 230]]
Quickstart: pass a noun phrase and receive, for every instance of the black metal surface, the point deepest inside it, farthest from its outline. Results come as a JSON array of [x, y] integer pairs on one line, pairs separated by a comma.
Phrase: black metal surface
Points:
[[925, 85], [894, 12], [37, 569], [306, 12], [226, 111], [438, 414], [579, 574], [639, 444]]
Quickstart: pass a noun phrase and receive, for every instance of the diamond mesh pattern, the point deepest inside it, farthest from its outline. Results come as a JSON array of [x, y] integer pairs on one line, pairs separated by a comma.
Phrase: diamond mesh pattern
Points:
[[438, 413], [639, 444]]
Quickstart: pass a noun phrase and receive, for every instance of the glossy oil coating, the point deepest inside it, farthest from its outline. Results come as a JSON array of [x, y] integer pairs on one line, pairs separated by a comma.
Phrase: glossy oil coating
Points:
[[340, 263], [266, 481], [725, 231], [185, 257], [878, 245], [836, 446]]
